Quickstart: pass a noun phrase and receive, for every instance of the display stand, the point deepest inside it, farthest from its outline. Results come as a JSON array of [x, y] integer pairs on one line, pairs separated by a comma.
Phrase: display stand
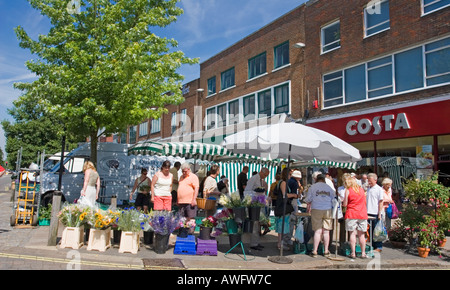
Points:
[[242, 246]]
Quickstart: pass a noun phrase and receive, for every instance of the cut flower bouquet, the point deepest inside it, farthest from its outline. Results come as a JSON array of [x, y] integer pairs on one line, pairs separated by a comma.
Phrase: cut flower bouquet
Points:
[[164, 222]]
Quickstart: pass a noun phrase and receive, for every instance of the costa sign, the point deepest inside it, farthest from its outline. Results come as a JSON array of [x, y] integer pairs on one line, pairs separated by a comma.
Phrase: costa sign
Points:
[[378, 124]]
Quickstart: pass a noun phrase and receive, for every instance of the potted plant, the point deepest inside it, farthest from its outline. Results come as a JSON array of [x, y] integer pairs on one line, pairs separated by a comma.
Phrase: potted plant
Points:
[[255, 205], [130, 222], [163, 224], [45, 214], [398, 235], [186, 227], [206, 227], [235, 203], [428, 236], [73, 217]]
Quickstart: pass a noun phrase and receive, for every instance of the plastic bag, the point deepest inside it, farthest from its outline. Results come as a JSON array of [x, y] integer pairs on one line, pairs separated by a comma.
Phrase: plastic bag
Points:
[[379, 232], [299, 233], [392, 211], [337, 208]]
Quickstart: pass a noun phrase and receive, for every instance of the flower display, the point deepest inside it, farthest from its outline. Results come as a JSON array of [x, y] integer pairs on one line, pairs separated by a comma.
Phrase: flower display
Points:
[[73, 215], [398, 233], [258, 201], [164, 222], [131, 220], [101, 219], [234, 200], [209, 222]]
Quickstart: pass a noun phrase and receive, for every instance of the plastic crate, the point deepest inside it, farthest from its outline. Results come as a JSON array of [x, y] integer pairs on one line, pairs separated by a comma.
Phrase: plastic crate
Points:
[[198, 222], [185, 246], [320, 249], [346, 251], [299, 248], [207, 247]]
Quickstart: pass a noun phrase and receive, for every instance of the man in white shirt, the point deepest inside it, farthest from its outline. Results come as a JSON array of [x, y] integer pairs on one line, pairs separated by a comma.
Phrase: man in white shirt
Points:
[[256, 182], [374, 198]]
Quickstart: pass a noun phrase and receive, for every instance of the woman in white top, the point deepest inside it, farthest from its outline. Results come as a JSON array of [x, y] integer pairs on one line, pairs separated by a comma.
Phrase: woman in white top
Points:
[[162, 188]]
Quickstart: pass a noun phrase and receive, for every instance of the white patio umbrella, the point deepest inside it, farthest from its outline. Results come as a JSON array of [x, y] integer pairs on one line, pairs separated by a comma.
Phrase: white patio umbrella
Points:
[[291, 141]]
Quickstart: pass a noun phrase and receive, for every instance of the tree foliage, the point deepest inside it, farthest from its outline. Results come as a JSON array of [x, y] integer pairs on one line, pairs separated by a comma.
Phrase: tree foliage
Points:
[[102, 67]]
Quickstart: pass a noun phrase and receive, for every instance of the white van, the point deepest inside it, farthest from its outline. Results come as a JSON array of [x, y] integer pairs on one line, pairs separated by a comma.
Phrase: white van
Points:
[[117, 171]]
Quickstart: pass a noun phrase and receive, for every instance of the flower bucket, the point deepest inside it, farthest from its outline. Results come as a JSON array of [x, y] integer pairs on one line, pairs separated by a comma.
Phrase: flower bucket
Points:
[[99, 240], [183, 232], [248, 226], [423, 252], [239, 214], [72, 237], [234, 239], [129, 242], [44, 222], [161, 243], [148, 237], [116, 236], [205, 233], [254, 213], [231, 227]]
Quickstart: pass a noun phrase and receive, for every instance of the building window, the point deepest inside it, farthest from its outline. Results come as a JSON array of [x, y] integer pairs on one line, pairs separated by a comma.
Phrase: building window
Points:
[[379, 75], [233, 112], [210, 118], [408, 70], [249, 108], [183, 118], [155, 126], [333, 89], [222, 115], [257, 66], [143, 129], [376, 17], [281, 95], [417, 68], [429, 6], [281, 55], [331, 37], [437, 56], [264, 103], [227, 79], [355, 84], [173, 122], [212, 86], [133, 134]]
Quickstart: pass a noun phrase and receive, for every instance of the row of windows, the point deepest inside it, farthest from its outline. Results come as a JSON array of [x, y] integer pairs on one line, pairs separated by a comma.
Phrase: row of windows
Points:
[[420, 67], [257, 66], [270, 101], [376, 20]]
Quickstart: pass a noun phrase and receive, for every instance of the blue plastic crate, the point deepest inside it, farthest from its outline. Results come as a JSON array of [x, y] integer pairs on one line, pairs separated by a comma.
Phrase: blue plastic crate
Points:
[[185, 246]]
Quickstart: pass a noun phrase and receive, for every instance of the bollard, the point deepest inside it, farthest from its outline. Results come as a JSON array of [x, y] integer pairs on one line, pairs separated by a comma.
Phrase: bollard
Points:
[[53, 231], [113, 202]]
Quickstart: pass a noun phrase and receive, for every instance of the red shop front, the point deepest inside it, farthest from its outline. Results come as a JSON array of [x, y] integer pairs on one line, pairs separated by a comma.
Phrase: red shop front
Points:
[[413, 137]]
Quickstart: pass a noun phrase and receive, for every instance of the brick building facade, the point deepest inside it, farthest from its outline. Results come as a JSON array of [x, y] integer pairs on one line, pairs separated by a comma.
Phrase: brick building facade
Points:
[[340, 66]]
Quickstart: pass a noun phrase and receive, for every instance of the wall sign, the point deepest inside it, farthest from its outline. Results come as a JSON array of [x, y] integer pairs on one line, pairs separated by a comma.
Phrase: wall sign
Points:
[[378, 124]]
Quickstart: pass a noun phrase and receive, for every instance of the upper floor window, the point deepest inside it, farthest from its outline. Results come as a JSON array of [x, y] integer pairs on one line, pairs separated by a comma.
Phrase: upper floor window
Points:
[[429, 6], [281, 95], [410, 70], [211, 86], [173, 122], [155, 126], [227, 79], [265, 103], [211, 118], [233, 110], [132, 134], [281, 55], [376, 17], [249, 107], [257, 65], [331, 37], [222, 115], [183, 120], [143, 129]]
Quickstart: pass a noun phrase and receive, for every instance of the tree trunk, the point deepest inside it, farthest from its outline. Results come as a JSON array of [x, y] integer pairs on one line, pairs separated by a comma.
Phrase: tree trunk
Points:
[[94, 143]]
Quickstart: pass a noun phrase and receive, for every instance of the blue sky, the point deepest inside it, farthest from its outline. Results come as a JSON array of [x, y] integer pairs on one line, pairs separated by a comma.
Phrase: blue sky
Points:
[[206, 28]]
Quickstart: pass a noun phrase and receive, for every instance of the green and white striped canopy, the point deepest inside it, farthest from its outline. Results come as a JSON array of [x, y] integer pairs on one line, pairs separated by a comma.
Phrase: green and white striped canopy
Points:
[[195, 150]]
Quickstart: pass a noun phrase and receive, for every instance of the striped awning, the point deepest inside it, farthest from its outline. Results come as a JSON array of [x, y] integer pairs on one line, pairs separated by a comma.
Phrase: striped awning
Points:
[[347, 165], [195, 150]]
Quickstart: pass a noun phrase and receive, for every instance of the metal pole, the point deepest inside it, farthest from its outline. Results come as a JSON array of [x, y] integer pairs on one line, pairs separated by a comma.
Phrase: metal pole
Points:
[[61, 163]]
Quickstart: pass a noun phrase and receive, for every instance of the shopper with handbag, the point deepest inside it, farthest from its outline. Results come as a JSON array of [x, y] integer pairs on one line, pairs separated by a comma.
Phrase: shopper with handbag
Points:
[[142, 187]]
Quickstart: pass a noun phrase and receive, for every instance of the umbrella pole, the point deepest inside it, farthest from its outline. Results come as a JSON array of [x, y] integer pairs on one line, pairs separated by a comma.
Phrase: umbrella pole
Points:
[[280, 259], [335, 258]]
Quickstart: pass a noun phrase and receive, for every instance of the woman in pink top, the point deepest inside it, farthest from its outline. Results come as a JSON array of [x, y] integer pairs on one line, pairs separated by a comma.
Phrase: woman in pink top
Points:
[[355, 215], [162, 188]]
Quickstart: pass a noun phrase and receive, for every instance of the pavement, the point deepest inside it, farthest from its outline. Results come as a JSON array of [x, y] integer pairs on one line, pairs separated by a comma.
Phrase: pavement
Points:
[[25, 248]]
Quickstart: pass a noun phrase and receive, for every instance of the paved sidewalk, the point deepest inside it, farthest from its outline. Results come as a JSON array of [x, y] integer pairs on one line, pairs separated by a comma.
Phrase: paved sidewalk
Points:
[[26, 248]]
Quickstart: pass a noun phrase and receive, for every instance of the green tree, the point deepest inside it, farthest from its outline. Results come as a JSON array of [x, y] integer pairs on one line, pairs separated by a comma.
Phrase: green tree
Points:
[[101, 67], [33, 129]]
